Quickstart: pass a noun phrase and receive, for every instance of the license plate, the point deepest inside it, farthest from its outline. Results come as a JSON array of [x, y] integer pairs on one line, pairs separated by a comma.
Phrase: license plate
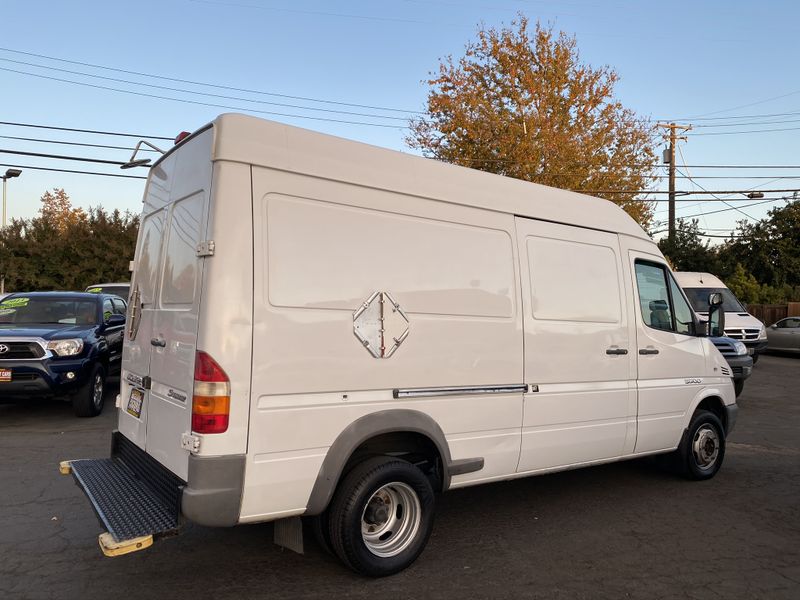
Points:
[[5, 374], [135, 403]]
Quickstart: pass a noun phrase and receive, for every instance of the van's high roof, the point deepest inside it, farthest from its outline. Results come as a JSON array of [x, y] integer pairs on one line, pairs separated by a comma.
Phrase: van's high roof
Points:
[[250, 140]]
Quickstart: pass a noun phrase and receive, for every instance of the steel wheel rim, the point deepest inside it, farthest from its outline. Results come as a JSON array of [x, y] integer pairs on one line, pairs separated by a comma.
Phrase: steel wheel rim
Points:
[[705, 447], [391, 519], [97, 391]]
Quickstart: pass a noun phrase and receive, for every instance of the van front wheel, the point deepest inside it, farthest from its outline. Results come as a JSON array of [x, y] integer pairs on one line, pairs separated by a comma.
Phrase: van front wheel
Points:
[[381, 516], [703, 446]]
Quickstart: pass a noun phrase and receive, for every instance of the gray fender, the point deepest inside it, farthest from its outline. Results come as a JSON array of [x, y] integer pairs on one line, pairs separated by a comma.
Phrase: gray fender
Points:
[[372, 425]]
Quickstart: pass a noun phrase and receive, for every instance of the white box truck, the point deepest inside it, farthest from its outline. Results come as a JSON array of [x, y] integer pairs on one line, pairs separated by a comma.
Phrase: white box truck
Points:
[[324, 329], [739, 324]]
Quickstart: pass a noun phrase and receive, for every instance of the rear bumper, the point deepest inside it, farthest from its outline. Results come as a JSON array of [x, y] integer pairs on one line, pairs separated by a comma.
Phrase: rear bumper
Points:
[[44, 378]]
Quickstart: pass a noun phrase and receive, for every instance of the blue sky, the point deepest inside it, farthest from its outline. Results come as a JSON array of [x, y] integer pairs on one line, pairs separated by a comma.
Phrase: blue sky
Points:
[[684, 60]]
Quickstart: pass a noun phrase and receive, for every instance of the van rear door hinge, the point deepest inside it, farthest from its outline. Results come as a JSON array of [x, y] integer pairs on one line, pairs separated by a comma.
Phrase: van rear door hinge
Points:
[[205, 248], [190, 442]]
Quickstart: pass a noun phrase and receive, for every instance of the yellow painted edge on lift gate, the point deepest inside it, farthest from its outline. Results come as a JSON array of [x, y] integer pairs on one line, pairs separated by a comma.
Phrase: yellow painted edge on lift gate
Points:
[[64, 467], [111, 547]]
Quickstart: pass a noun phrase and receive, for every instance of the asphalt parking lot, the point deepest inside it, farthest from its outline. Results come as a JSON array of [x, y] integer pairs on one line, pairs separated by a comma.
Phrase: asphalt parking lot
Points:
[[626, 530]]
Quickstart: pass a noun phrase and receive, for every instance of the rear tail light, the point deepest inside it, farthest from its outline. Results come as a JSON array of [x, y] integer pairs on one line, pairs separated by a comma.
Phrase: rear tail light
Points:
[[211, 398]]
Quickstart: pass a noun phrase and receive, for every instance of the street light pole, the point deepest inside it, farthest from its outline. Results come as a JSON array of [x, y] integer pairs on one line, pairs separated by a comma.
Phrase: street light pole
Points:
[[10, 173]]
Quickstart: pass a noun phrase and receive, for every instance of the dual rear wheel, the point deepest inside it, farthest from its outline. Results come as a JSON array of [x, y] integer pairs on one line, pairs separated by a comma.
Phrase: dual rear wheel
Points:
[[380, 518]]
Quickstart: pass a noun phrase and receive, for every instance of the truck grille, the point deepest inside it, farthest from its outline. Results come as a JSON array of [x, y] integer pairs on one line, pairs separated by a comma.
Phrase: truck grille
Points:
[[20, 350], [743, 334]]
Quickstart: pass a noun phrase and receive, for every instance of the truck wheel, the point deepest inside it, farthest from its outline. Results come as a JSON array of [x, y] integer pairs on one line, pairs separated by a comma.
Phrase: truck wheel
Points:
[[702, 448], [738, 386], [381, 516], [321, 528], [755, 358], [88, 402]]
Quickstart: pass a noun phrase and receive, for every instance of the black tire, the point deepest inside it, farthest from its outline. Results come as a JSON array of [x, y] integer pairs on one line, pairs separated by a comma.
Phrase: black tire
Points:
[[755, 358], [320, 527], [87, 403], [738, 386], [702, 447], [367, 486]]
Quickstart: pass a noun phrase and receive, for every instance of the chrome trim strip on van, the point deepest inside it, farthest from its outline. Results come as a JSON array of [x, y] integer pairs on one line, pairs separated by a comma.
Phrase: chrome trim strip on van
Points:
[[512, 388]]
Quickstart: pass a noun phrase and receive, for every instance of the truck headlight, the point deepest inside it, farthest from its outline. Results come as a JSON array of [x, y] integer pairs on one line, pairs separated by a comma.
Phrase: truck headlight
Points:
[[66, 347], [740, 348], [762, 335]]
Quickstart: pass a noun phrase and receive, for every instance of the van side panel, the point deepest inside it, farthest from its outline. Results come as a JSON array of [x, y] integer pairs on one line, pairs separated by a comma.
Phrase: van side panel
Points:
[[322, 248]]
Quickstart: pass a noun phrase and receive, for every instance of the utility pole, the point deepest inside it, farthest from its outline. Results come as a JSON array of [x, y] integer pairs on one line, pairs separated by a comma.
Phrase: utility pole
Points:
[[669, 158]]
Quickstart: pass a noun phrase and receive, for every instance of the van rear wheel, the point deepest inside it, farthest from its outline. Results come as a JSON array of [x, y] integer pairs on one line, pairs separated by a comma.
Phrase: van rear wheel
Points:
[[381, 516]]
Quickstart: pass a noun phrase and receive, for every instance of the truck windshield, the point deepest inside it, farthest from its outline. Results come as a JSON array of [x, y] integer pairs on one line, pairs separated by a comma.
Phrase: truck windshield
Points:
[[699, 299], [24, 310]]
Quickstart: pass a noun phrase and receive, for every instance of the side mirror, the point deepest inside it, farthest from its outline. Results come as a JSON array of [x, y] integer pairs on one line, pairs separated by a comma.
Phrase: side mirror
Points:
[[773, 326], [115, 320], [716, 316]]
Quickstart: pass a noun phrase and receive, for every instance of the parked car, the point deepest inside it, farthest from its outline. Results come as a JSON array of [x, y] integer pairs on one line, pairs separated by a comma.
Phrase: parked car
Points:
[[739, 324], [117, 289], [60, 344], [740, 363], [326, 329], [784, 335]]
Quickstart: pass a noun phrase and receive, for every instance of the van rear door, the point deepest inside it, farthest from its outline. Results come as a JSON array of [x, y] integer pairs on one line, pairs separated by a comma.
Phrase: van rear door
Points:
[[159, 352]]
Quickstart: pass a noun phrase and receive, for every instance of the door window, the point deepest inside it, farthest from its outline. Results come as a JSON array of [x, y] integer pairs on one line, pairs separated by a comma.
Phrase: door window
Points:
[[789, 324], [180, 264], [661, 301], [108, 309], [148, 256]]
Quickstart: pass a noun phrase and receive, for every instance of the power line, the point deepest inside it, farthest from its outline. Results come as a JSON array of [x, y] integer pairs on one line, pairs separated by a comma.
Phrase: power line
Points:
[[213, 85], [83, 144], [197, 93], [93, 131], [62, 157], [196, 102], [74, 171], [743, 132], [684, 193]]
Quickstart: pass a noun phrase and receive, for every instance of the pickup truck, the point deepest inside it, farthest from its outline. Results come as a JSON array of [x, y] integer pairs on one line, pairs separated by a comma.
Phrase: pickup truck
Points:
[[61, 345]]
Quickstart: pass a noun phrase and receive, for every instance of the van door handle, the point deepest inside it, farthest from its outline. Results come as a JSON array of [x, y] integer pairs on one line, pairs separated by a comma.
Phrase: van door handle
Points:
[[158, 342], [650, 350], [614, 350]]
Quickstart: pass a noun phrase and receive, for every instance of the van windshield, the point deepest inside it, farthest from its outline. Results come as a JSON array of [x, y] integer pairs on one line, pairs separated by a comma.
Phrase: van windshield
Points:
[[699, 299]]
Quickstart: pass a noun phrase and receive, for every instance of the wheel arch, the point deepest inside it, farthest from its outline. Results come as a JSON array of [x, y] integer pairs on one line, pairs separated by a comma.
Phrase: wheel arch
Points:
[[385, 432], [710, 400]]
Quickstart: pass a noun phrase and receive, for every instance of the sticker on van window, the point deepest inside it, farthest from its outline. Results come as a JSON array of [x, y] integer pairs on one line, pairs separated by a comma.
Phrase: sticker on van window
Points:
[[14, 302]]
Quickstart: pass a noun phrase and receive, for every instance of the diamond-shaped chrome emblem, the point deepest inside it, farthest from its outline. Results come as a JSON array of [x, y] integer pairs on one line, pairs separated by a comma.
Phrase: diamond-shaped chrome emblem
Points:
[[380, 325]]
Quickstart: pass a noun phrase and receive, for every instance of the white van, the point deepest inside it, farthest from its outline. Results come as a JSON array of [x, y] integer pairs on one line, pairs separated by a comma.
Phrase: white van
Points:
[[321, 328], [739, 324]]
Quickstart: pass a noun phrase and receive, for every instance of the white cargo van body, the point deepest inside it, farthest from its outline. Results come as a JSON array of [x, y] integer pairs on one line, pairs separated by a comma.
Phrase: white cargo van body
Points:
[[739, 324], [353, 313]]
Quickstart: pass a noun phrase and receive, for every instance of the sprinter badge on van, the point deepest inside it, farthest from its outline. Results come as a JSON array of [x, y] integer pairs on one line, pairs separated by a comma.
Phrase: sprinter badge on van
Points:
[[380, 325]]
